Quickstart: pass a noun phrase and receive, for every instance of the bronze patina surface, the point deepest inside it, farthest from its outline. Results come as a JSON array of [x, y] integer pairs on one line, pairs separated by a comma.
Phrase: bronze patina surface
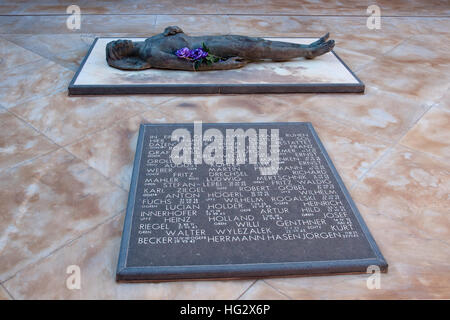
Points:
[[235, 50]]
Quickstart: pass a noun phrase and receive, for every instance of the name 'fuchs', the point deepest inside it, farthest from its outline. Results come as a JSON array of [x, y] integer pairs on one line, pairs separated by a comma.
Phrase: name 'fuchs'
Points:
[[191, 151]]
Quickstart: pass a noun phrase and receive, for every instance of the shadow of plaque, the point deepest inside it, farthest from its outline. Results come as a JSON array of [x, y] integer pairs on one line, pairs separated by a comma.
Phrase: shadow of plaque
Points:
[[200, 220]]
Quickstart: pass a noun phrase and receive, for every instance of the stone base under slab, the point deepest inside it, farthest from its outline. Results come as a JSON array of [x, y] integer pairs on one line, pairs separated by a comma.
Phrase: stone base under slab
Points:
[[327, 73]]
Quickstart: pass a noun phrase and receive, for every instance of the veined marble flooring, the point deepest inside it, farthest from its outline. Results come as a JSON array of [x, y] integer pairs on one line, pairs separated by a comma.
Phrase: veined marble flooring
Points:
[[65, 162]]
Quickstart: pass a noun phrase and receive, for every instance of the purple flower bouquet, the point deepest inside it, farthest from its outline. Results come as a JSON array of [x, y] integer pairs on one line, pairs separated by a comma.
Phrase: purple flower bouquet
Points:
[[197, 56]]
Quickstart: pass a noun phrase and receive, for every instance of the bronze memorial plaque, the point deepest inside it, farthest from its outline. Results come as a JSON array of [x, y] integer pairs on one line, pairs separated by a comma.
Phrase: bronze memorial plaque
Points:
[[239, 200]]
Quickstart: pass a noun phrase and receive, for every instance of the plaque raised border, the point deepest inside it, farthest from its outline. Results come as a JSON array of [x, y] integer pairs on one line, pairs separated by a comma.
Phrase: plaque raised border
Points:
[[240, 271]]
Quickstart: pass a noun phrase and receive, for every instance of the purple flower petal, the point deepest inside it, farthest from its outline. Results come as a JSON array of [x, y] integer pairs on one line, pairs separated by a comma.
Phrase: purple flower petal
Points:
[[184, 53], [198, 54]]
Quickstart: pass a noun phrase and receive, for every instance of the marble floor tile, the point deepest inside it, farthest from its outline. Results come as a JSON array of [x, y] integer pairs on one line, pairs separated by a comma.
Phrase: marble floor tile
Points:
[[12, 56], [90, 24], [194, 24], [87, 7], [353, 59], [31, 81], [4, 294], [47, 45], [60, 7], [262, 291], [167, 7], [431, 134], [148, 7], [7, 8], [347, 7], [413, 26], [414, 7], [96, 254], [418, 268], [226, 108], [420, 82], [19, 141], [281, 26], [112, 151], [312, 7], [428, 52], [387, 7], [33, 24], [351, 151], [351, 33], [70, 60], [66, 119], [285, 7], [234, 7], [48, 202], [412, 188], [376, 112], [106, 24], [444, 102], [65, 49]]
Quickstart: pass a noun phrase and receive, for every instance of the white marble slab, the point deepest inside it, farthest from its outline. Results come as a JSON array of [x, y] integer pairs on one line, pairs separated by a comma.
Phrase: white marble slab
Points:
[[324, 70]]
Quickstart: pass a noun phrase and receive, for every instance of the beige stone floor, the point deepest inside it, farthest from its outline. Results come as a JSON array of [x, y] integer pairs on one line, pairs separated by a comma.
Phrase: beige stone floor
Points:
[[65, 162]]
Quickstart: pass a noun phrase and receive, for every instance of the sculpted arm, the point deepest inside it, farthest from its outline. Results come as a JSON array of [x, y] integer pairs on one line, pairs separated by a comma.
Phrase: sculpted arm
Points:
[[124, 55], [170, 61]]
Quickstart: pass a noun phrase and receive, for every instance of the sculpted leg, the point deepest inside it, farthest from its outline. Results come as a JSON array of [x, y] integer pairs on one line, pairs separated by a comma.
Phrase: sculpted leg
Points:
[[254, 49], [282, 51]]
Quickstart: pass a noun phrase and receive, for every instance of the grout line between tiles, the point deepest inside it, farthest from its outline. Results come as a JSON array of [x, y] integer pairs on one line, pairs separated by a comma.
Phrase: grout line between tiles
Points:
[[18, 164], [64, 147], [34, 61], [46, 58], [251, 285], [24, 63], [429, 155], [383, 54], [7, 292], [59, 148], [278, 290], [67, 243], [374, 164], [24, 162], [423, 235], [337, 120], [151, 108], [100, 173], [389, 149], [281, 14], [95, 131], [52, 58], [57, 90], [393, 146]]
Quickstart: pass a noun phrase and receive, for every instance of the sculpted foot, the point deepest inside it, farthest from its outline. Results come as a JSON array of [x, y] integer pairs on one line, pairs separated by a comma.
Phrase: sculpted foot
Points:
[[320, 41], [320, 49]]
